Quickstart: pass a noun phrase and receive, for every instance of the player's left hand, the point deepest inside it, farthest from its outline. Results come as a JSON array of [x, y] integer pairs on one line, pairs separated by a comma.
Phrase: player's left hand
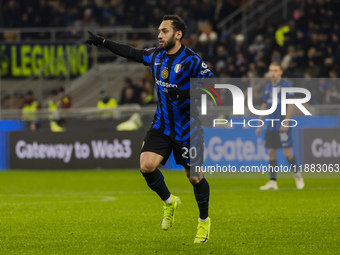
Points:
[[283, 129], [95, 39], [176, 93]]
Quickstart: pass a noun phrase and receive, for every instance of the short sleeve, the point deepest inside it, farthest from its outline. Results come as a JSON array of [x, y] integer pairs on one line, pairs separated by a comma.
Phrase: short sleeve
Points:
[[199, 68], [148, 55], [290, 94], [266, 94]]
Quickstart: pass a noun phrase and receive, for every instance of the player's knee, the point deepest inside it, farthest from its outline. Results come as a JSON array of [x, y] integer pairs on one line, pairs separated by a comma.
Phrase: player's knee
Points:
[[288, 154], [146, 167], [194, 180], [272, 155]]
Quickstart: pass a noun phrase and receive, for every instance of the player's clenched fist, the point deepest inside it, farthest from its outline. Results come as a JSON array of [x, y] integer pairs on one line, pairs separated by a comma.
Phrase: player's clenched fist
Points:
[[177, 94]]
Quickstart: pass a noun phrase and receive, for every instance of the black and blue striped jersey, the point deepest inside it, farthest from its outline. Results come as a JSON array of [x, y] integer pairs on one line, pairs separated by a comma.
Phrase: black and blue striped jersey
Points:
[[173, 118], [268, 99]]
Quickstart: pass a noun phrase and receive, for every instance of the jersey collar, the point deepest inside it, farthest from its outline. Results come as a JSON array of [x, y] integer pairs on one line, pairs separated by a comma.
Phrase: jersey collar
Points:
[[175, 55]]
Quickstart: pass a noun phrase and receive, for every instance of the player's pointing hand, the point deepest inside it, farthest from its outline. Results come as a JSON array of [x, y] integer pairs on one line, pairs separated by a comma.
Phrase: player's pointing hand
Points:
[[95, 39]]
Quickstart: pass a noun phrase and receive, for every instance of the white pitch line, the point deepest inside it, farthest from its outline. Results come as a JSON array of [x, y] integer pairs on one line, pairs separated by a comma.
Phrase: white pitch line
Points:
[[177, 191], [100, 200]]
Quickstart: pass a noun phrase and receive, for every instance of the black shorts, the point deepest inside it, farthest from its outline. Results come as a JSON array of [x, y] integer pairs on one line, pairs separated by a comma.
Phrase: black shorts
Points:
[[277, 139], [184, 154]]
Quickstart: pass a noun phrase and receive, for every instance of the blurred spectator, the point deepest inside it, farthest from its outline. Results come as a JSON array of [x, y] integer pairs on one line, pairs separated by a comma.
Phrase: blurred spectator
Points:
[[308, 43], [147, 95], [220, 59], [108, 14], [128, 85], [34, 125], [30, 107], [130, 97], [87, 20], [139, 87], [291, 70], [258, 43], [280, 34], [106, 104], [43, 14], [313, 69], [276, 56], [65, 100], [12, 14], [53, 105], [289, 57], [331, 96], [147, 99], [5, 100], [19, 99], [252, 73]]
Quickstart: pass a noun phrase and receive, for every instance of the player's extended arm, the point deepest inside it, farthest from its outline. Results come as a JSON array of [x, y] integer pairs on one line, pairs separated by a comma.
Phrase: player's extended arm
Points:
[[263, 107], [123, 50], [290, 109]]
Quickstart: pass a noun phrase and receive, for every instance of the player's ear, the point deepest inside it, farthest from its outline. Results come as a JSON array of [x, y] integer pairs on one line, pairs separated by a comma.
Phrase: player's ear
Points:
[[179, 34]]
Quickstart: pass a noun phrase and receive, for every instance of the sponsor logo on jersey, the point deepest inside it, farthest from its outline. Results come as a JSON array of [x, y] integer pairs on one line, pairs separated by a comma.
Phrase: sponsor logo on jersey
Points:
[[165, 84]]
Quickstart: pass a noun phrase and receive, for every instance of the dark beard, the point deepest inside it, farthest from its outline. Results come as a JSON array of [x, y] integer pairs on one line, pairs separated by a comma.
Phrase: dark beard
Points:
[[170, 44], [275, 81]]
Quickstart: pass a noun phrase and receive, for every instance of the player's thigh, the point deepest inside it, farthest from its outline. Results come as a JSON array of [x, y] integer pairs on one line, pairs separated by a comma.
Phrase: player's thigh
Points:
[[288, 152], [286, 139], [190, 156], [272, 140], [156, 150]]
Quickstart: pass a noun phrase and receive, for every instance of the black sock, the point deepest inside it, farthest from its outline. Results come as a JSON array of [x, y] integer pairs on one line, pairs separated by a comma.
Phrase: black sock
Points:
[[293, 164], [155, 180], [272, 173], [202, 191]]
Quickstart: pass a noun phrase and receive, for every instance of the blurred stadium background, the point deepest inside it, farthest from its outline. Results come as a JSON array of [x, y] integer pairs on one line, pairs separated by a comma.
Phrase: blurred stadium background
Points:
[[65, 105], [52, 81]]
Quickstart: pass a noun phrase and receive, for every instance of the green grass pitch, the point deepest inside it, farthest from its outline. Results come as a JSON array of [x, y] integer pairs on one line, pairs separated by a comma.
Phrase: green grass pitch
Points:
[[114, 212]]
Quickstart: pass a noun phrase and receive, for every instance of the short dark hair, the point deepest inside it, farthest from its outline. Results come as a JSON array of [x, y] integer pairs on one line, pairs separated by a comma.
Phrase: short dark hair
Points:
[[275, 64], [177, 23]]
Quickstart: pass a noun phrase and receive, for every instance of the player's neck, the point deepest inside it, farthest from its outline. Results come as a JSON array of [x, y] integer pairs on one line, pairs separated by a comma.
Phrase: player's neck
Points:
[[275, 82], [174, 49]]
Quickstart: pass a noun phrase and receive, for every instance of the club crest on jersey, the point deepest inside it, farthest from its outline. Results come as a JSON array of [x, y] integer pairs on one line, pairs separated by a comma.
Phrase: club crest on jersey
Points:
[[177, 68], [165, 73]]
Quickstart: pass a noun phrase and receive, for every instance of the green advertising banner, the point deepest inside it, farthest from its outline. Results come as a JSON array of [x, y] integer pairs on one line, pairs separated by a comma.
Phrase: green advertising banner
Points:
[[49, 60]]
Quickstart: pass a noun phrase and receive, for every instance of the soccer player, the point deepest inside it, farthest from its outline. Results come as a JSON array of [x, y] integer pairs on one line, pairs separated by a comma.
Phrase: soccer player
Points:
[[172, 64], [278, 136]]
